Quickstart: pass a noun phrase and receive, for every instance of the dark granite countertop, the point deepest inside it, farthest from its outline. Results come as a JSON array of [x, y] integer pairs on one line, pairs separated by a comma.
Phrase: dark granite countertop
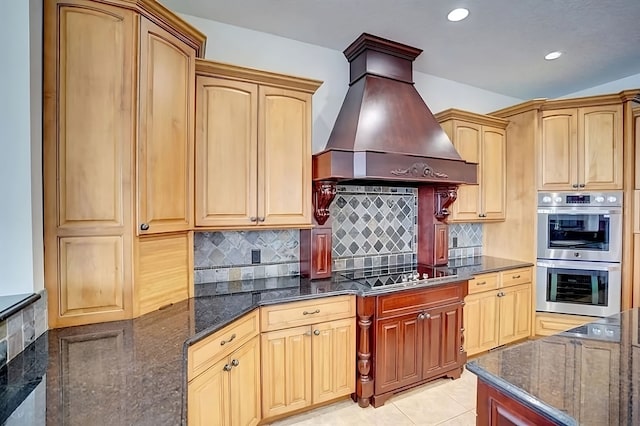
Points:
[[573, 377], [132, 372]]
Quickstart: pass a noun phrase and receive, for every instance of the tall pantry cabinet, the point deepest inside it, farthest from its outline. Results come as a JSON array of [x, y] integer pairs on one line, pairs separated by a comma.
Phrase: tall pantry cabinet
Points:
[[119, 87]]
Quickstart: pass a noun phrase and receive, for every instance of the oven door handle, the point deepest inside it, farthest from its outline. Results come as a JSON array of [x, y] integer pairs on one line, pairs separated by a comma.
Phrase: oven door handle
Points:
[[580, 211], [580, 265]]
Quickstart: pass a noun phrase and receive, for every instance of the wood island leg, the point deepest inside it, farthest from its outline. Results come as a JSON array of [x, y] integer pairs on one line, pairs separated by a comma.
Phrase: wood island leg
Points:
[[364, 378]]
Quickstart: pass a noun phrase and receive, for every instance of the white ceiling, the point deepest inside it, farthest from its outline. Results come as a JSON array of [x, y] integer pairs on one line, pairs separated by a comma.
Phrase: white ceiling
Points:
[[499, 47]]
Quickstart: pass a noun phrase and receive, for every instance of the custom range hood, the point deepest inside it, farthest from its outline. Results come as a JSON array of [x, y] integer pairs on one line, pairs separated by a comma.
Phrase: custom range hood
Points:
[[385, 131]]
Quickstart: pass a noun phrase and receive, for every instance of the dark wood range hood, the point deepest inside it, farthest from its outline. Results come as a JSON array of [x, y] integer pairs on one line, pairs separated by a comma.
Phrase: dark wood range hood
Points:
[[385, 134], [385, 131]]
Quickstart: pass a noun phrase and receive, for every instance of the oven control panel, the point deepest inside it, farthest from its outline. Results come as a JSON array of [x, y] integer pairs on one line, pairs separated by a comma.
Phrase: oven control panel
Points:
[[571, 199]]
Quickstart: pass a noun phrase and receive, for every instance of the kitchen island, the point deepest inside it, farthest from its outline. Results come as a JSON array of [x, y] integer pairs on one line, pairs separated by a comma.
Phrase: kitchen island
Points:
[[135, 371], [588, 376]]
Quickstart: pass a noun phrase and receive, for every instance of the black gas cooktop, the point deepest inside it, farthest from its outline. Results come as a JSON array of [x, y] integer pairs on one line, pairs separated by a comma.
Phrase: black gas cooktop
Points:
[[381, 276]]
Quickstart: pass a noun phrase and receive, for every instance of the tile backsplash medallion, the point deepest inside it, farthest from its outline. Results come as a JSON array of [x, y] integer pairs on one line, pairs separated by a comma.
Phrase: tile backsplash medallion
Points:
[[465, 240], [227, 256], [23, 328], [373, 226]]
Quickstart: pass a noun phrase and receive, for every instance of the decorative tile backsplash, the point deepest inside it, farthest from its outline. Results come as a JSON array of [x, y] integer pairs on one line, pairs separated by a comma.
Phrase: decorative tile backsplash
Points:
[[22, 328], [227, 256], [373, 225], [465, 239]]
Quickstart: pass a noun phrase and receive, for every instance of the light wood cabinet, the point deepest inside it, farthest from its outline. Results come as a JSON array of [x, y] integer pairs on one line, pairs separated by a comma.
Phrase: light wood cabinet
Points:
[[478, 139], [228, 392], [307, 358], [263, 177], [117, 155], [548, 324], [581, 149], [497, 310]]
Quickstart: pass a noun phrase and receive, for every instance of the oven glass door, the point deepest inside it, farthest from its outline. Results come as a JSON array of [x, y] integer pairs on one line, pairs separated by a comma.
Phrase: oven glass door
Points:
[[581, 288], [580, 235]]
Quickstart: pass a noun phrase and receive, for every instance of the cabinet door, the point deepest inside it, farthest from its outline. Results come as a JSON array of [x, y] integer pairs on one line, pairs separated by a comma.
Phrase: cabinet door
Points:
[[245, 384], [284, 157], [226, 152], [515, 313], [398, 352], [493, 173], [89, 71], [441, 340], [333, 359], [600, 147], [286, 370], [467, 139], [165, 137], [558, 164], [480, 322], [208, 397]]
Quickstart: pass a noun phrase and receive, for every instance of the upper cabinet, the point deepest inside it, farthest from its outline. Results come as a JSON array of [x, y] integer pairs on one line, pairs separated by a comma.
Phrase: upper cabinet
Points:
[[478, 139], [117, 158], [581, 149], [165, 131], [253, 148]]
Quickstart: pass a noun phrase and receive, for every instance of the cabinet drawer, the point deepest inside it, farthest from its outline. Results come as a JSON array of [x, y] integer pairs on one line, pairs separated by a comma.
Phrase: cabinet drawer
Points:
[[209, 350], [516, 276], [306, 312], [483, 282], [405, 302]]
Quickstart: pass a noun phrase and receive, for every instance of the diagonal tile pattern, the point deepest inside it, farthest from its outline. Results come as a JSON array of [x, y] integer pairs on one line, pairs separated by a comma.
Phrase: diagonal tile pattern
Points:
[[442, 402]]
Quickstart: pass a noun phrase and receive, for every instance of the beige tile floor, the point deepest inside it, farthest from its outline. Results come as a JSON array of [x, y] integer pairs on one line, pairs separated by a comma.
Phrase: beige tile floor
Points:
[[443, 402]]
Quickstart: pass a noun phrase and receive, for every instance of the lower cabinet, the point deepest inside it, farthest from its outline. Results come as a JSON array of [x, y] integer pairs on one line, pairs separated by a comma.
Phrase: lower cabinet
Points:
[[223, 372], [407, 338], [495, 408], [228, 392], [497, 310], [308, 353], [548, 324]]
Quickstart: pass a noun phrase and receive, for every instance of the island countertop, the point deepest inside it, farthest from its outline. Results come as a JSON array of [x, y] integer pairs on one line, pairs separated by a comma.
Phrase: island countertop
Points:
[[573, 377], [132, 372]]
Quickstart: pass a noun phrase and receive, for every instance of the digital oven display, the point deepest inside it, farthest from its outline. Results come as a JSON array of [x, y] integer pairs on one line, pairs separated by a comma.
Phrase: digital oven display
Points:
[[578, 199]]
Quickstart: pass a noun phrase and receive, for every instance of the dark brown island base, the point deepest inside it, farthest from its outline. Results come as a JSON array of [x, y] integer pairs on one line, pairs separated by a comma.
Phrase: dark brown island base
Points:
[[585, 376], [407, 338]]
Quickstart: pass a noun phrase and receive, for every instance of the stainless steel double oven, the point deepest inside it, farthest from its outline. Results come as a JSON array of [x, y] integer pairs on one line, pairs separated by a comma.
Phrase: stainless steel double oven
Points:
[[579, 253]]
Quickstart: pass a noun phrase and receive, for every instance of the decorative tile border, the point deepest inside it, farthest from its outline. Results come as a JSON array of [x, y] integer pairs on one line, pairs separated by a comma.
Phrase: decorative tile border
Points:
[[465, 240], [373, 224], [226, 256]]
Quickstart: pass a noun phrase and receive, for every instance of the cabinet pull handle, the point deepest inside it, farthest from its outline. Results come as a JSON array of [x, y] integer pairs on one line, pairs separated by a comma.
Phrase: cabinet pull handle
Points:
[[261, 219], [316, 332], [253, 219], [227, 367], [224, 342], [235, 362], [575, 185], [317, 311], [481, 283], [581, 185], [501, 294], [421, 316], [515, 277], [144, 227]]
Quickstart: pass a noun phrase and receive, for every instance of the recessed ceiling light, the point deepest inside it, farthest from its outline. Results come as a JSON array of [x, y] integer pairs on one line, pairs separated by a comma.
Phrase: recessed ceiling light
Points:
[[552, 55], [457, 14]]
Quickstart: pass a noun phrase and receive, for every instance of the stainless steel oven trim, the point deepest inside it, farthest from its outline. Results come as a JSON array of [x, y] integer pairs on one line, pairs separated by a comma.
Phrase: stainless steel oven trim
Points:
[[615, 245], [615, 294]]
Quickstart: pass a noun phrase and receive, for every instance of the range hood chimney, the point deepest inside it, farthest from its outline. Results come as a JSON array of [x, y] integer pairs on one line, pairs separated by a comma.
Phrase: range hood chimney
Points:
[[385, 131]]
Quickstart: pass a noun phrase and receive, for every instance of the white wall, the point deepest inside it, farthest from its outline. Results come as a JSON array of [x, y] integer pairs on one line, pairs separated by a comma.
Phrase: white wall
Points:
[[631, 82], [240, 46], [21, 261]]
